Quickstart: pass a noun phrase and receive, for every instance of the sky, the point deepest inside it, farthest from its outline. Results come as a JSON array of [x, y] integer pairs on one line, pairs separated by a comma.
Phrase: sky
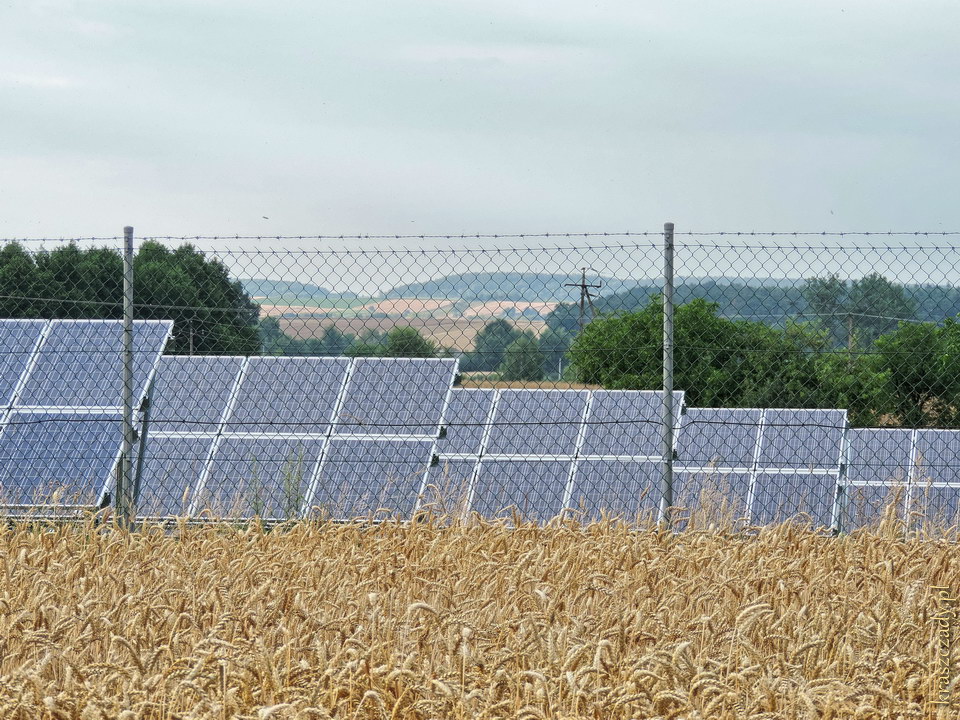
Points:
[[223, 117]]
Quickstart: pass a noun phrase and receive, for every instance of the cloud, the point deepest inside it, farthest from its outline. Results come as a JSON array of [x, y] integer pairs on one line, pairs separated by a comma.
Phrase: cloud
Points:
[[37, 80], [526, 55]]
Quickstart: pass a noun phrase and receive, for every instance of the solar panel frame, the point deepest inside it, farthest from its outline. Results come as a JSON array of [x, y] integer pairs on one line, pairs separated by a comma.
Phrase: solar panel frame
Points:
[[483, 400], [227, 456], [633, 488], [39, 421], [158, 470], [944, 446], [720, 417], [515, 483], [160, 425], [414, 481], [653, 442], [506, 447], [819, 503], [331, 374], [762, 471], [821, 420], [29, 398], [157, 331], [10, 391], [446, 369]]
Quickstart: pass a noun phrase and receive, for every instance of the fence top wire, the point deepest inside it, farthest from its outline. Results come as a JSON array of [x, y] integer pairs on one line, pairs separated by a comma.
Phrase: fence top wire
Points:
[[508, 236]]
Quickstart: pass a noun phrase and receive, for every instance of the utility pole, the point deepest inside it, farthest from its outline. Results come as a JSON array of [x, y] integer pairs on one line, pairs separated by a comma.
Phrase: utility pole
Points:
[[586, 297]]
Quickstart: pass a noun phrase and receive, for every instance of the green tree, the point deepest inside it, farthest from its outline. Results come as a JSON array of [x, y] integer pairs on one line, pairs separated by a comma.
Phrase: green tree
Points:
[[211, 312], [855, 314], [718, 362], [876, 306], [921, 366], [490, 345], [554, 344], [407, 342], [523, 360]]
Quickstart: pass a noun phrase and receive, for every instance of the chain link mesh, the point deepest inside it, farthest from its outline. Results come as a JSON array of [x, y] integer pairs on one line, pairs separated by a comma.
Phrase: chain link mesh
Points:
[[515, 376]]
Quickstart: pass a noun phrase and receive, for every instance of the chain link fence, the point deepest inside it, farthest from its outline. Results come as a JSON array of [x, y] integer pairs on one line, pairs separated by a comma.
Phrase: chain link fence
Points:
[[814, 376]]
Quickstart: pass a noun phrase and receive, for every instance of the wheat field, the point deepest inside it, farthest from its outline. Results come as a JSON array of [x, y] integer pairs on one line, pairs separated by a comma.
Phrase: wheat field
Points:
[[467, 620]]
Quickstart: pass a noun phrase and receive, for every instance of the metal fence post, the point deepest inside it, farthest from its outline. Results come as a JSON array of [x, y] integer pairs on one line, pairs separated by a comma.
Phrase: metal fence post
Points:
[[666, 494], [124, 479]]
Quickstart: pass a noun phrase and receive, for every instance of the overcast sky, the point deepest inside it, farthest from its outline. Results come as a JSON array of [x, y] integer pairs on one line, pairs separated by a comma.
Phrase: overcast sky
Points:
[[225, 116]]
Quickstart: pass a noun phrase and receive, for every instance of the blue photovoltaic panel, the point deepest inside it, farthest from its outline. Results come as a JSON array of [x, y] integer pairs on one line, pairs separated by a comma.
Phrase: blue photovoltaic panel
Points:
[[938, 456], [702, 490], [80, 363], [52, 458], [190, 393], [801, 439], [718, 437], [260, 476], [937, 505], [288, 395], [18, 338], [537, 422], [448, 483], [171, 469], [779, 497], [618, 488], [865, 504], [627, 422], [396, 396], [464, 421], [879, 456], [361, 477], [533, 489]]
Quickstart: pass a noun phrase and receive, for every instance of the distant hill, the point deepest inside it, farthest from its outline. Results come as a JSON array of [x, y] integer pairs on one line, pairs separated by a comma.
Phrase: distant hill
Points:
[[514, 286], [289, 291]]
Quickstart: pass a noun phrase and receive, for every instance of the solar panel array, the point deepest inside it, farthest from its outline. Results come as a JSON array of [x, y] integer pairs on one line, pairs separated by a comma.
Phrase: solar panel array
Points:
[[918, 471], [60, 419], [769, 464], [284, 437], [538, 453]]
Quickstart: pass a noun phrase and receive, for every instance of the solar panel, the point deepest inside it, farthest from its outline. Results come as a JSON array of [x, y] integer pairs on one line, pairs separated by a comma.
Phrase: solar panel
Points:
[[778, 497], [190, 393], [937, 505], [717, 490], [537, 422], [18, 340], [360, 477], [63, 435], [617, 488], [801, 439], [288, 394], [266, 477], [627, 423], [172, 467], [718, 438], [865, 504], [396, 396], [464, 421], [448, 485], [938, 456], [534, 489], [57, 458], [79, 363], [879, 456]]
